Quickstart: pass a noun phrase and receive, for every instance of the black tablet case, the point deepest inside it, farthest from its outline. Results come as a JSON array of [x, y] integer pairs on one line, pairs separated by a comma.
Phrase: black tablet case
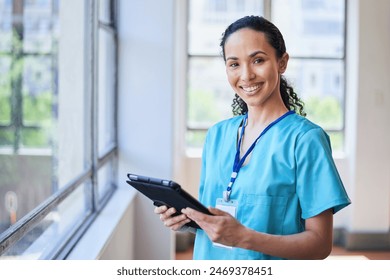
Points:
[[166, 192]]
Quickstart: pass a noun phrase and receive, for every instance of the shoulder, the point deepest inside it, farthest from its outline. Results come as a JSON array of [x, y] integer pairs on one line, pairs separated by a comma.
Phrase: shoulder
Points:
[[309, 138], [302, 124], [304, 128]]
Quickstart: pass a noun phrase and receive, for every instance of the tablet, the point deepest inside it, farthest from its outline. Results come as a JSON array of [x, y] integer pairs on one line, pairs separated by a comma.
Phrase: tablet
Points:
[[166, 192]]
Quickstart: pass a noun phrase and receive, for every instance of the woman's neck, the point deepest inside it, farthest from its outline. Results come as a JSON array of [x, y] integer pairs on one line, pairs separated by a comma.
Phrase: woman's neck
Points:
[[261, 117]]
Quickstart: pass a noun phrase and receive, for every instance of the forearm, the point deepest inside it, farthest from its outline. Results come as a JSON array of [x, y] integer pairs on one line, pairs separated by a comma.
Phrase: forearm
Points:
[[305, 245]]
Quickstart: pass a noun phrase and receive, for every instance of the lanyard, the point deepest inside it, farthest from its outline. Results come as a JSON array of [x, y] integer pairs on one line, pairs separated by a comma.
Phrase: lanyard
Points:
[[237, 162]]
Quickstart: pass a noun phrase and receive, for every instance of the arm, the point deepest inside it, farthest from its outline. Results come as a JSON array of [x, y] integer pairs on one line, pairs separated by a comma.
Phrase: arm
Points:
[[314, 243]]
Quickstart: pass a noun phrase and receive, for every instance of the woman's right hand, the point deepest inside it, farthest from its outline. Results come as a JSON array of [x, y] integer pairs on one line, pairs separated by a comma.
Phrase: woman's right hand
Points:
[[173, 222]]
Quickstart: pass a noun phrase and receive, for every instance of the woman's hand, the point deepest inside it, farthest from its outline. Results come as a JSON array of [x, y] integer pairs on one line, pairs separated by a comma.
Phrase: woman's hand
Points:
[[173, 222], [221, 227]]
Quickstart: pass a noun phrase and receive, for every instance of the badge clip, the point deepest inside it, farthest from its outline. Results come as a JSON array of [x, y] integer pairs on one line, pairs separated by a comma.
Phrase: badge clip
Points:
[[226, 196]]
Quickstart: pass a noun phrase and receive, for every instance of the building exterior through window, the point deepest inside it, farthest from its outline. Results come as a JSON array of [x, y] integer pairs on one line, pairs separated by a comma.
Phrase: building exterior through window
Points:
[[57, 122]]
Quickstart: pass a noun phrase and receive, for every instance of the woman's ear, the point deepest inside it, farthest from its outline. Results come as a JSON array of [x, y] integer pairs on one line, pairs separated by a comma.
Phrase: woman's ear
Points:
[[283, 61]]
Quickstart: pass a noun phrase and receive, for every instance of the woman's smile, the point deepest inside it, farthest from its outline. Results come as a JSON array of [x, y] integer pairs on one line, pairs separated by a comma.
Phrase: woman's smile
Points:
[[251, 88]]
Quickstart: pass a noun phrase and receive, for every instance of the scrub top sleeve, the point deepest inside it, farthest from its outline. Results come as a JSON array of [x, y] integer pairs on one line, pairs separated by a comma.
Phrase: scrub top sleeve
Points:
[[319, 186]]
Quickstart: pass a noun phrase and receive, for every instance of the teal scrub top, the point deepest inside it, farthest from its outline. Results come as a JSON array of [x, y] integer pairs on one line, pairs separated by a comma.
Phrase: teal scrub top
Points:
[[290, 177]]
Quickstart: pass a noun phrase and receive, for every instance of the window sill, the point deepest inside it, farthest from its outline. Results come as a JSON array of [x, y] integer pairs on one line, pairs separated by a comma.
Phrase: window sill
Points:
[[92, 243]]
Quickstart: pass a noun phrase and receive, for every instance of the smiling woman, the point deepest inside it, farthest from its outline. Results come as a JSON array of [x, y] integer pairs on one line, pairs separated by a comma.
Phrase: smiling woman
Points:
[[272, 205]]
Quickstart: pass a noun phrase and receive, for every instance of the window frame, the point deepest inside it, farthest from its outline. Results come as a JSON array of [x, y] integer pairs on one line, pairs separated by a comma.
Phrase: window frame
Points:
[[90, 174]]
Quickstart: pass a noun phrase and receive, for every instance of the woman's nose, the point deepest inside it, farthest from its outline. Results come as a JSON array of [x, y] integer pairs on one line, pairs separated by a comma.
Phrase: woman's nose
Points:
[[247, 74]]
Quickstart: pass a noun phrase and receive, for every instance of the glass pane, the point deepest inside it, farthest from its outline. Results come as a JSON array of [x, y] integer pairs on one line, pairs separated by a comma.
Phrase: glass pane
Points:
[[38, 24], [7, 139], [208, 19], [74, 99], [28, 177], [105, 179], [209, 93], [27, 114], [337, 141], [106, 90], [59, 224], [320, 84], [5, 25], [311, 28], [38, 102], [38, 81], [50, 140], [5, 92], [195, 138]]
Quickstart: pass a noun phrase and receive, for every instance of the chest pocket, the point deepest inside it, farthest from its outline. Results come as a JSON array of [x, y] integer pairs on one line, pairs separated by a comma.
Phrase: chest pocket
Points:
[[263, 213]]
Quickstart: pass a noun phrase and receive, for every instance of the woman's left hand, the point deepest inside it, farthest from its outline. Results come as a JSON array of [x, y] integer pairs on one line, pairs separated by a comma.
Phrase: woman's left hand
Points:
[[221, 227]]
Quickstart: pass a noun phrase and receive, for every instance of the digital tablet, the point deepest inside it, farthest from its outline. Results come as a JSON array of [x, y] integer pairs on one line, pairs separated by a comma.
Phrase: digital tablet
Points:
[[166, 192]]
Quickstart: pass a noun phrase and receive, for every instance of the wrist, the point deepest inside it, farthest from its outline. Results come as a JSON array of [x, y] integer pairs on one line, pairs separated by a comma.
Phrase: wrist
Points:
[[245, 240]]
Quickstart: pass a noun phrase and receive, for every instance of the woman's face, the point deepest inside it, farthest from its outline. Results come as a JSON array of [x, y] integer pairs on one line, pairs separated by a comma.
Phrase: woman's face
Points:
[[252, 67]]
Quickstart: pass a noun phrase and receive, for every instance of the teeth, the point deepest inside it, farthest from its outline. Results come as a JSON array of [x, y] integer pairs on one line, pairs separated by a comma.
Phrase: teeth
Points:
[[250, 89]]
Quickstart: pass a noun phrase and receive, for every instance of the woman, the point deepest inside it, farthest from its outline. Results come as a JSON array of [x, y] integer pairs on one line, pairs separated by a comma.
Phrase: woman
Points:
[[268, 173]]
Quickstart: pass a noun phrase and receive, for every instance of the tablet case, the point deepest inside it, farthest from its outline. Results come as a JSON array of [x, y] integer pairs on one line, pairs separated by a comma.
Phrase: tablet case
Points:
[[166, 192]]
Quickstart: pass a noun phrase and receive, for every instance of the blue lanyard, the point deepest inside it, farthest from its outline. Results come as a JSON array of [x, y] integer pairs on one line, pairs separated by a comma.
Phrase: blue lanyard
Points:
[[237, 162]]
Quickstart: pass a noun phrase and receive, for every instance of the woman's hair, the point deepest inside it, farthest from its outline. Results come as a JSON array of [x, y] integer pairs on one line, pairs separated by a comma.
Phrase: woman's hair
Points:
[[275, 39]]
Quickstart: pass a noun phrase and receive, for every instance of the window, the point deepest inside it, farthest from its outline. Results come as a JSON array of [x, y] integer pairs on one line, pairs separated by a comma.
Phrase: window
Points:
[[314, 31], [57, 122]]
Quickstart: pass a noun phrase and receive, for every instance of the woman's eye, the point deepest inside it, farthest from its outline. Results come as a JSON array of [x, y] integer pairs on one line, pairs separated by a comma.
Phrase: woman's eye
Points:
[[258, 60], [233, 65]]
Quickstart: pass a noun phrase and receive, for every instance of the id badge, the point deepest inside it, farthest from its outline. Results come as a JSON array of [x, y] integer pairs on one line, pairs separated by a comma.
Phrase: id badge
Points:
[[229, 207]]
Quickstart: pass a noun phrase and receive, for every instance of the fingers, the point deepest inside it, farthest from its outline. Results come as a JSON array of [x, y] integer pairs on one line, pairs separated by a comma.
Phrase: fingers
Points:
[[165, 213], [199, 216], [203, 220], [161, 209], [173, 222], [176, 222], [192, 214]]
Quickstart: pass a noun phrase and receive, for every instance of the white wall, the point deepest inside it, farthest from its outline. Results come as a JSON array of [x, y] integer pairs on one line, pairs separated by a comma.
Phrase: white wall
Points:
[[368, 115], [145, 111]]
